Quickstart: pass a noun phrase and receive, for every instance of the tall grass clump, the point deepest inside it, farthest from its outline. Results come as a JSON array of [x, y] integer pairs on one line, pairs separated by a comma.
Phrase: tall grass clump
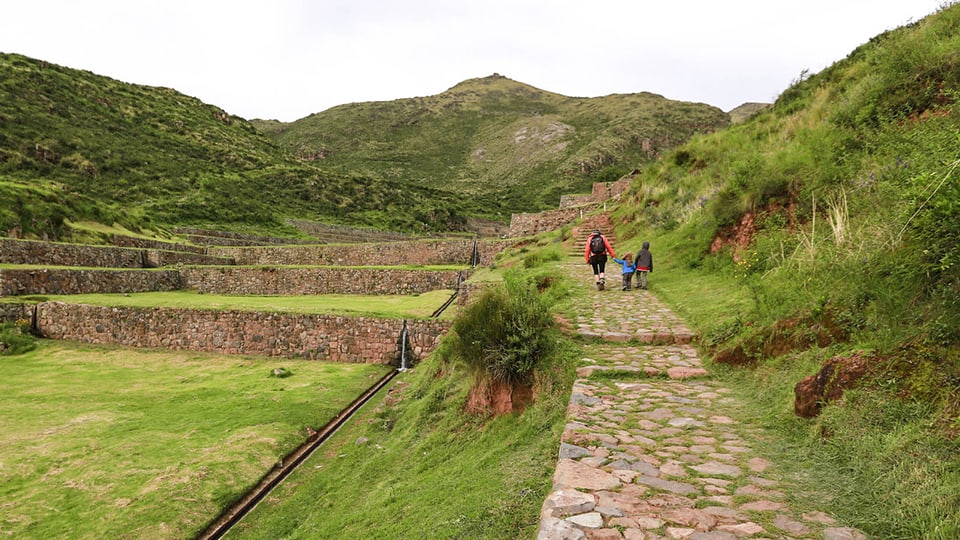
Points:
[[15, 338], [506, 335]]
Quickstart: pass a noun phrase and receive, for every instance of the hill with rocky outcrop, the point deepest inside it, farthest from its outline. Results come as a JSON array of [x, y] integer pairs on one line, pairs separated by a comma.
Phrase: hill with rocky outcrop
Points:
[[496, 143], [76, 146]]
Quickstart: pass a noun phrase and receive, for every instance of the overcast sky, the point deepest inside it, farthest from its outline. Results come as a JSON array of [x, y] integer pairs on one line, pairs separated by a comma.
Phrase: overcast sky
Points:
[[286, 59]]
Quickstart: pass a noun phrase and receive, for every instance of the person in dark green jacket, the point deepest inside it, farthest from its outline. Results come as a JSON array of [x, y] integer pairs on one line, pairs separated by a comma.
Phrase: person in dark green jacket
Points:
[[644, 262]]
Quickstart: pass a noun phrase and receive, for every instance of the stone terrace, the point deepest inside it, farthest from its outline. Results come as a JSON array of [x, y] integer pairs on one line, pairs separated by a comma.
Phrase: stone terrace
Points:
[[349, 270]]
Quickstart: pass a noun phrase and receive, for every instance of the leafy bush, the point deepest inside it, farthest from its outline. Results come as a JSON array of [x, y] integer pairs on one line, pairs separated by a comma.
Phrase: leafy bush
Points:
[[506, 335]]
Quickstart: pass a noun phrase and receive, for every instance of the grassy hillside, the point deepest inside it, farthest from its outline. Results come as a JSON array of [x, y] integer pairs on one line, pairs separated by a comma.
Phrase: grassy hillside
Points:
[[507, 146], [843, 196], [828, 228], [78, 146]]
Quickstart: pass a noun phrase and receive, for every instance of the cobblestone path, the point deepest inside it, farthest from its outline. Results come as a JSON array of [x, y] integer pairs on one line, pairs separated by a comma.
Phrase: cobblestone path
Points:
[[647, 452]]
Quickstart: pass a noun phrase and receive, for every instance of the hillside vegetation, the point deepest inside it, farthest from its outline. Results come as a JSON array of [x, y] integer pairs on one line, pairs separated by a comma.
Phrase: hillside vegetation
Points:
[[78, 146], [506, 146], [842, 200], [828, 228]]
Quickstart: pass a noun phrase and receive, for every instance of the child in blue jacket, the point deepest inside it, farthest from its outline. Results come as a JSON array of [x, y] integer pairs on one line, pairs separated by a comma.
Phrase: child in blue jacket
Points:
[[628, 269]]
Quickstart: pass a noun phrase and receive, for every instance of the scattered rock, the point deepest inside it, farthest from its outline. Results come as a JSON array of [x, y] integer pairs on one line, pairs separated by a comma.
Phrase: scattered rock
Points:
[[843, 533], [837, 374], [667, 485], [573, 474], [571, 451], [590, 520], [568, 502], [558, 529]]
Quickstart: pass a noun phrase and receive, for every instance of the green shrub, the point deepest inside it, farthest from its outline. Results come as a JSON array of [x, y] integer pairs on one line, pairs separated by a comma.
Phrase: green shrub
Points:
[[506, 335], [15, 338]]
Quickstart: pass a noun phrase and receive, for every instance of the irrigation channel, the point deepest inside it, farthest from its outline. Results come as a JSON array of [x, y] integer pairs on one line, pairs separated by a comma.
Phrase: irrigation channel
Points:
[[232, 515], [288, 464]]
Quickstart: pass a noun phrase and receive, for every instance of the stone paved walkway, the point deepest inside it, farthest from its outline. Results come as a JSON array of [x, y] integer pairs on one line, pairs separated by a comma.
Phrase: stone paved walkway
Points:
[[647, 452]]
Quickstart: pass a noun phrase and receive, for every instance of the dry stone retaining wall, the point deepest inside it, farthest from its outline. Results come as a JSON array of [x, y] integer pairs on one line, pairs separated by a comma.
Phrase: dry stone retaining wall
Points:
[[314, 280], [329, 234], [342, 234], [15, 312], [18, 282], [144, 243], [531, 224], [226, 238], [567, 201], [14, 251], [155, 258], [262, 281], [320, 337], [571, 208], [423, 252], [610, 190]]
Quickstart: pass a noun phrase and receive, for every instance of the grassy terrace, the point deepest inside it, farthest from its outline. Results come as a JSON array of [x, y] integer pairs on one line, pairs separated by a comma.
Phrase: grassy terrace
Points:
[[385, 306], [106, 442]]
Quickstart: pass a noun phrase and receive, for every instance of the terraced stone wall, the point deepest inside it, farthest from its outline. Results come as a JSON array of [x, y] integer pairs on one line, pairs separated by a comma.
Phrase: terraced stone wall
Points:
[[13, 251], [423, 252], [609, 190], [319, 337], [566, 201], [15, 312], [208, 237], [531, 224], [18, 282], [330, 234], [227, 280], [145, 243], [313, 280]]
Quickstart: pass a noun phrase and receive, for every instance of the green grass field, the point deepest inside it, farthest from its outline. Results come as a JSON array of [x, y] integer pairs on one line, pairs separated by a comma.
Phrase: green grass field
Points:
[[389, 306], [100, 442], [414, 465]]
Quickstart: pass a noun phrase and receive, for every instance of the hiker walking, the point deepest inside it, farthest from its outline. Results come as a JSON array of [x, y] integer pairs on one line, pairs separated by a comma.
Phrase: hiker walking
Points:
[[644, 264], [596, 255], [628, 269]]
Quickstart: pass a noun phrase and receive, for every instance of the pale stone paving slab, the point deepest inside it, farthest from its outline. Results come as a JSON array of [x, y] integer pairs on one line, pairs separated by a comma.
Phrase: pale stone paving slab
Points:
[[650, 451]]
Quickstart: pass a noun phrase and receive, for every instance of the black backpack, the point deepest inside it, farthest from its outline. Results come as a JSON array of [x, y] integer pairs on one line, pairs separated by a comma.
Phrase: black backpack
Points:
[[596, 245]]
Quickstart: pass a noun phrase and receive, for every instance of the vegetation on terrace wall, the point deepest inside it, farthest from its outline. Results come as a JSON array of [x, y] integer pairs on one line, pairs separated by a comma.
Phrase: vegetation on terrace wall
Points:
[[15, 338], [505, 335]]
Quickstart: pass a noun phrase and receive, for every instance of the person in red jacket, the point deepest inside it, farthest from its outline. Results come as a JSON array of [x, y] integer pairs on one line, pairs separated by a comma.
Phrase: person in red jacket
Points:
[[596, 252]]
